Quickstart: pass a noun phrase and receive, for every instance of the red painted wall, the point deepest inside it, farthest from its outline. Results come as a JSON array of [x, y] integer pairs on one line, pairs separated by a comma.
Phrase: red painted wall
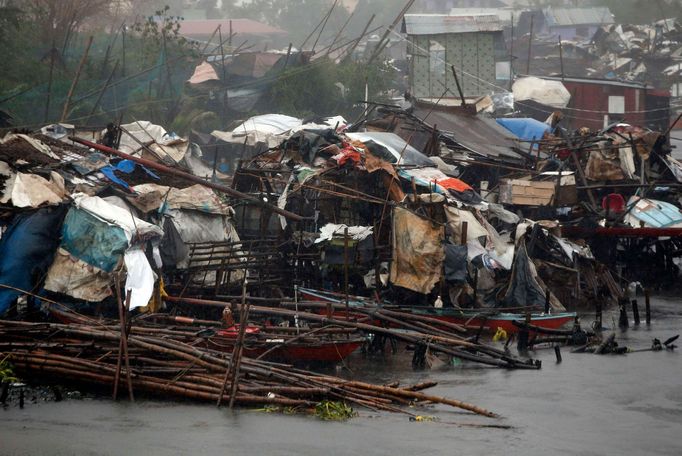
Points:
[[590, 102]]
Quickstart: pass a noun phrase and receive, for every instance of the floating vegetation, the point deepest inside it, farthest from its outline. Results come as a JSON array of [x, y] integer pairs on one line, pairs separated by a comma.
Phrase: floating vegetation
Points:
[[334, 411]]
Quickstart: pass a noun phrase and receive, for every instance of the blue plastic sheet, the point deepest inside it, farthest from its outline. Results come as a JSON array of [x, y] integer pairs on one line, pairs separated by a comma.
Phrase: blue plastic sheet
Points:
[[526, 129], [26, 251], [126, 167], [92, 240]]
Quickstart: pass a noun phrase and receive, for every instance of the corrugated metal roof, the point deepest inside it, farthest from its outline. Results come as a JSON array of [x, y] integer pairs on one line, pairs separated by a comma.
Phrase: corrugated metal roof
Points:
[[504, 15], [476, 133], [577, 16], [434, 24]]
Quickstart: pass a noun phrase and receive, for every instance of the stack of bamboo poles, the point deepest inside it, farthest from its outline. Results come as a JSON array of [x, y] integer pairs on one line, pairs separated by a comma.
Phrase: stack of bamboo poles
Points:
[[161, 365]]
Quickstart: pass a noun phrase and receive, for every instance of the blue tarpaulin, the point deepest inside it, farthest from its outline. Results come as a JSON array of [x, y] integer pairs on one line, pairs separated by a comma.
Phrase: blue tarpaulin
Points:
[[26, 251], [525, 128], [124, 166], [92, 240]]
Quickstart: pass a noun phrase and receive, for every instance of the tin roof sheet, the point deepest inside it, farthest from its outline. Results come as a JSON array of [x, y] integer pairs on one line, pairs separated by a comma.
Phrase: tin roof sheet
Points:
[[434, 24], [578, 16]]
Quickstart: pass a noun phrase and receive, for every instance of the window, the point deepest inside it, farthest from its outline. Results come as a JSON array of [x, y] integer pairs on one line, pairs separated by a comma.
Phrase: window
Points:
[[616, 104]]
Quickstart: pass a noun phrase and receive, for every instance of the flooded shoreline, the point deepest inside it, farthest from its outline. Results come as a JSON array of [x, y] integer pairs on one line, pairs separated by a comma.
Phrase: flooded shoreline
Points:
[[588, 404]]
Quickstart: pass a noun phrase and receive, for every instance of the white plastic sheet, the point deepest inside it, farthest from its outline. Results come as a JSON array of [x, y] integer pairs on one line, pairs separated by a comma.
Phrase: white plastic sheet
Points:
[[357, 233], [140, 278], [116, 216], [550, 93]]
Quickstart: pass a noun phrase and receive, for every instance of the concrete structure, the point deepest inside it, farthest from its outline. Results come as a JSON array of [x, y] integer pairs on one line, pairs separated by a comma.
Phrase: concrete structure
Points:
[[437, 41]]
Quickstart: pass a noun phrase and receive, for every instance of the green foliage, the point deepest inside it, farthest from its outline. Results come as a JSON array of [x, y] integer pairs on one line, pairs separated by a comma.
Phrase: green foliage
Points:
[[27, 58], [325, 88], [7, 371], [334, 411], [159, 33]]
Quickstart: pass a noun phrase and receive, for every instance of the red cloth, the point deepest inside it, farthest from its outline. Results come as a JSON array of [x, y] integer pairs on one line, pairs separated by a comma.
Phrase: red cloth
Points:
[[614, 202], [347, 154], [454, 184]]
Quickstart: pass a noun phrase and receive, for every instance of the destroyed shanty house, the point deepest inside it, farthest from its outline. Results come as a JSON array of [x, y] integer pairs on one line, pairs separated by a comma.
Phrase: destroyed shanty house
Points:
[[644, 54], [327, 208], [405, 212], [300, 240], [85, 216], [250, 75]]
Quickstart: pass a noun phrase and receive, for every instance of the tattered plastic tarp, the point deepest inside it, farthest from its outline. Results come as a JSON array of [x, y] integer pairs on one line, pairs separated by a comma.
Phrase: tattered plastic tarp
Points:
[[527, 129], [31, 190], [95, 235], [270, 129], [202, 73], [140, 278], [152, 197], [455, 217], [143, 131], [267, 124], [392, 148], [125, 167], [356, 233], [526, 289], [194, 227], [150, 137], [418, 252], [550, 93], [455, 264], [27, 248], [35, 143]]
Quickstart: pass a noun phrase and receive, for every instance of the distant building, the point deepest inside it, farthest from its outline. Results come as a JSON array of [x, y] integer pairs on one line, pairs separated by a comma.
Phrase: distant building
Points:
[[569, 23], [596, 103], [244, 29], [438, 41]]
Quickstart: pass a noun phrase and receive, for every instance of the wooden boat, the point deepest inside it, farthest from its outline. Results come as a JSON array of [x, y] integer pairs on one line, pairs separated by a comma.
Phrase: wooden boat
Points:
[[275, 346], [323, 349], [490, 319]]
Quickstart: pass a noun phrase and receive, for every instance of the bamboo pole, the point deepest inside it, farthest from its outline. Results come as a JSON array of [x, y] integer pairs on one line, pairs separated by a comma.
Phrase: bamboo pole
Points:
[[65, 111]]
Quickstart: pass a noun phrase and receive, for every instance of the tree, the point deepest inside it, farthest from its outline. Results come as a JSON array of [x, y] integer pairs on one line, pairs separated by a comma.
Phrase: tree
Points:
[[325, 88], [298, 17], [57, 20]]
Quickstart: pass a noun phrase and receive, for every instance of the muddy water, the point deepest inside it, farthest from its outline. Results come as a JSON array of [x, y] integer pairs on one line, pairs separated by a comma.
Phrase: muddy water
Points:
[[587, 405]]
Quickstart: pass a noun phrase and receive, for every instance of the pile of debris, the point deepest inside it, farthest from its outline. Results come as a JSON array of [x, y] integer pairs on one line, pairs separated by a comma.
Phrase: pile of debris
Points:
[[627, 52]]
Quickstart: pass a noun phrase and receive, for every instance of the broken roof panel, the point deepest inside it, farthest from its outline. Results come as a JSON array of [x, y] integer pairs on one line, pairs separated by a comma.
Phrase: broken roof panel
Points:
[[558, 17], [433, 24], [476, 133], [401, 151]]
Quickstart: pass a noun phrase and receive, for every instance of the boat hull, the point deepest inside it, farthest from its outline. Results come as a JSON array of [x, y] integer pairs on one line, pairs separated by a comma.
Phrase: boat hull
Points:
[[332, 351], [473, 319], [504, 321]]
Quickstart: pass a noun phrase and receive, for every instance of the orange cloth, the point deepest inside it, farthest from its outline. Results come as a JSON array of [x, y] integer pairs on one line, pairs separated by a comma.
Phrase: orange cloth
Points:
[[454, 184]]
